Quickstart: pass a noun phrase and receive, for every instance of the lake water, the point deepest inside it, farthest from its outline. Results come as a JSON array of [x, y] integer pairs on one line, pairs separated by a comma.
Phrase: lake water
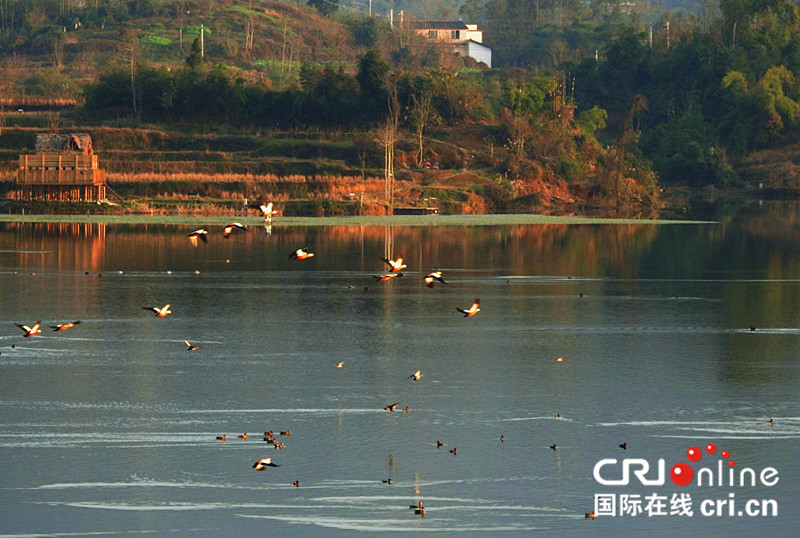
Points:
[[110, 427]]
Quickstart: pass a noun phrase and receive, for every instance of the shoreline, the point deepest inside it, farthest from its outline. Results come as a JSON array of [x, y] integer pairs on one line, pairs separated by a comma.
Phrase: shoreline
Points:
[[366, 220]]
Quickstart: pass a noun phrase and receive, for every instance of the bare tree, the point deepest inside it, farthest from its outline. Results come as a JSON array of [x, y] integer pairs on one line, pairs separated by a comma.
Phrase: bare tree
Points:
[[387, 136], [57, 52], [519, 130], [53, 122], [422, 113]]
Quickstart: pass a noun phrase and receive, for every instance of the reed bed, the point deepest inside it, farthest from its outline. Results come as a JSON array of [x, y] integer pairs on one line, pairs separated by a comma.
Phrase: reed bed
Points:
[[144, 177]]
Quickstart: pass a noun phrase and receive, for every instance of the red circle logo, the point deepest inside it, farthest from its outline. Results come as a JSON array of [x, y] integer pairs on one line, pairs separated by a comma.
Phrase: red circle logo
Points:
[[681, 474]]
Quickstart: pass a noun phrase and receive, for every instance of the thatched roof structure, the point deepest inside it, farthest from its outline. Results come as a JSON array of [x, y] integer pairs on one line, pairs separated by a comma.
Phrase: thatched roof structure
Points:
[[80, 143]]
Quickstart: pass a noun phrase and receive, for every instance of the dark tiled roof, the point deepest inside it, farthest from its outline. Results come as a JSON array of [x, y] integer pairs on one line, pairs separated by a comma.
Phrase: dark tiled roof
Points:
[[438, 25]]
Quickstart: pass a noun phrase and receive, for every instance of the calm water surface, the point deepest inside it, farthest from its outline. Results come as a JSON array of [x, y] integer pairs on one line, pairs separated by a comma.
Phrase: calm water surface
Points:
[[110, 427]]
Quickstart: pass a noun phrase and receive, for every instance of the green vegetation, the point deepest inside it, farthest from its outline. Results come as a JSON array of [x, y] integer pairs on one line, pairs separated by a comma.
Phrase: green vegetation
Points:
[[585, 107]]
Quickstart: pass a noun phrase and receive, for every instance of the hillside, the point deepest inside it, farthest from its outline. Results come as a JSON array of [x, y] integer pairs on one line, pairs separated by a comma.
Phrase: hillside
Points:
[[197, 99]]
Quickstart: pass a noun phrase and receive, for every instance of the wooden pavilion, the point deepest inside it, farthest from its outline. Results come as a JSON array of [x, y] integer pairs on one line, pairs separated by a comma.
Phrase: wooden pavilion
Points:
[[64, 169]]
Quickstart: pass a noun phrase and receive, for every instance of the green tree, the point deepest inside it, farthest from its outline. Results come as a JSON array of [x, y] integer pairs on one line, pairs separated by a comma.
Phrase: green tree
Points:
[[325, 7], [371, 77], [196, 61]]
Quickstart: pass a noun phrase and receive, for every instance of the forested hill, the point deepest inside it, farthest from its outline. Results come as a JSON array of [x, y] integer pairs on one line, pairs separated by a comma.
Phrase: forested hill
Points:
[[607, 100]]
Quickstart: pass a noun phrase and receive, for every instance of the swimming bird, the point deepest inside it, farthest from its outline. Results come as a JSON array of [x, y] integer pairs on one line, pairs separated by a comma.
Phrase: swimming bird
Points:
[[770, 421], [432, 277], [559, 359], [415, 506], [339, 365], [474, 309], [392, 407], [396, 265], [30, 331], [190, 347], [624, 446], [287, 432], [64, 326], [160, 312], [405, 409], [301, 254], [296, 484], [558, 415], [267, 211], [387, 276], [589, 515], [416, 376], [453, 450], [553, 447], [222, 437], [279, 446], [263, 463], [243, 436], [231, 227], [419, 511], [201, 233], [387, 481]]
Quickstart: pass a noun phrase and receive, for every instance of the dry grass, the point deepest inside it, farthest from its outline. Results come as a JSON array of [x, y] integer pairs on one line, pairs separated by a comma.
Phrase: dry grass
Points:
[[233, 178]]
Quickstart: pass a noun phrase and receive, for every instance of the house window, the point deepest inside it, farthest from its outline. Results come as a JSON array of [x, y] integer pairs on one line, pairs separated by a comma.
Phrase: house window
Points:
[[454, 34], [433, 34]]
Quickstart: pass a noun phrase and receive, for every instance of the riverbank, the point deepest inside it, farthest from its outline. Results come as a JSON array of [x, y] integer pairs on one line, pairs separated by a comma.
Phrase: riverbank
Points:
[[363, 220]]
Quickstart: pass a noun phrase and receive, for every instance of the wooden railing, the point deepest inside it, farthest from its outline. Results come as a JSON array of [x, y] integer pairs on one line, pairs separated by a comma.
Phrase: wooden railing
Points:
[[61, 177], [58, 162]]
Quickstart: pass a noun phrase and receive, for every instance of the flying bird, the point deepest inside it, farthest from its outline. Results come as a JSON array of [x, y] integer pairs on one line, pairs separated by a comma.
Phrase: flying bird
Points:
[[387, 276], [160, 312], [432, 277], [416, 376], [30, 331], [201, 233], [190, 347], [231, 227], [64, 326], [474, 309], [392, 407], [263, 463], [267, 211], [339, 365], [396, 265], [301, 254]]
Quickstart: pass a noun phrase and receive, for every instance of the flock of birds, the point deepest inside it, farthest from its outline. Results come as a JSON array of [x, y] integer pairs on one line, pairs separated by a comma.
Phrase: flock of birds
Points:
[[395, 268]]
